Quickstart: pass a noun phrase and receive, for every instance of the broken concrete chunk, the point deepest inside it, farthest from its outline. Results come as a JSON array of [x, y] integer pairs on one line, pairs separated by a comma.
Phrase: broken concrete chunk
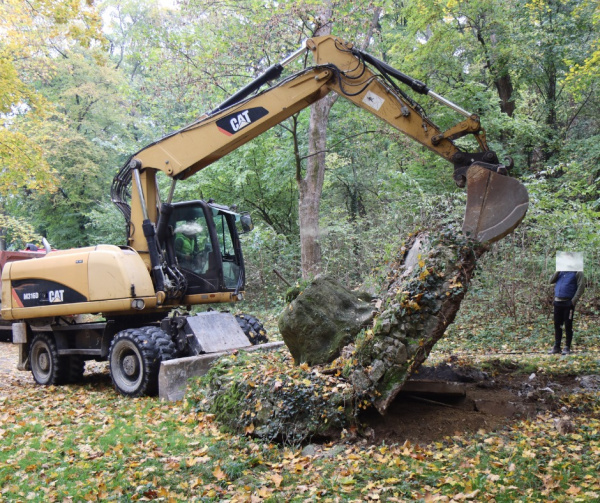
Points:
[[377, 371], [422, 298]]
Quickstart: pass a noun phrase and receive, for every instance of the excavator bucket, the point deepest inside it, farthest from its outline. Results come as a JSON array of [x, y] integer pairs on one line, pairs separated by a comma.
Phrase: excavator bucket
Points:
[[496, 204]]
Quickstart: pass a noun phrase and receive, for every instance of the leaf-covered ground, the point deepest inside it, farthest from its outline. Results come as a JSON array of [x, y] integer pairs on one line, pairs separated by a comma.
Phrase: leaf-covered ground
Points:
[[86, 443]]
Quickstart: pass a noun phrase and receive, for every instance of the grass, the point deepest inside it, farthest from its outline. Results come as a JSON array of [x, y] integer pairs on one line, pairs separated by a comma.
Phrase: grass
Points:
[[85, 443]]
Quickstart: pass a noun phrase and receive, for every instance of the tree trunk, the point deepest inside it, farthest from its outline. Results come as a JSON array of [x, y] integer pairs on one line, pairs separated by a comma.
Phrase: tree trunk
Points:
[[505, 91], [311, 186], [548, 147], [499, 71]]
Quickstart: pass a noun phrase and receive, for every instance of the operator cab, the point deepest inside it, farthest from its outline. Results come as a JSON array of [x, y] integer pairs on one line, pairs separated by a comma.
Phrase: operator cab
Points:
[[207, 245]]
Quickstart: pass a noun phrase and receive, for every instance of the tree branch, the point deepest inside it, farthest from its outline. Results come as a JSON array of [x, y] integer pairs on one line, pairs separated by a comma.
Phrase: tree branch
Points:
[[339, 142]]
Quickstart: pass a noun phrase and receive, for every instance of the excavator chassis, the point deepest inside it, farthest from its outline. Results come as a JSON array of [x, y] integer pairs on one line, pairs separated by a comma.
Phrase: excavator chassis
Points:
[[55, 352]]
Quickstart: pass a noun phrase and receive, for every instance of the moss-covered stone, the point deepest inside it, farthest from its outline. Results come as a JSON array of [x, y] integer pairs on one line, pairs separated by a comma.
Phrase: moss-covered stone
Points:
[[422, 296], [264, 395], [321, 320], [268, 396]]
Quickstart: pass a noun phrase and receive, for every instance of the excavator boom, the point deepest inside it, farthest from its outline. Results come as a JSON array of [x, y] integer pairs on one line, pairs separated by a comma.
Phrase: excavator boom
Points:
[[496, 203]]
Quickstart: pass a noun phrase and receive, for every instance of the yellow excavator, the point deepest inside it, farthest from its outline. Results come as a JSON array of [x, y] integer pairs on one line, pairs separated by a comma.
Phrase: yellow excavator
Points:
[[180, 254]]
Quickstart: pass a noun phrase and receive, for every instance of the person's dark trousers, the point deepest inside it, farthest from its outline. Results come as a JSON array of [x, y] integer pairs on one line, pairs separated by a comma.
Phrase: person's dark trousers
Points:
[[563, 315]]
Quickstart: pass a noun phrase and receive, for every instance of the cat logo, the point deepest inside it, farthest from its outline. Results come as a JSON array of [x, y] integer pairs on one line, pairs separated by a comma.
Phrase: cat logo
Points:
[[56, 295], [242, 120], [232, 123]]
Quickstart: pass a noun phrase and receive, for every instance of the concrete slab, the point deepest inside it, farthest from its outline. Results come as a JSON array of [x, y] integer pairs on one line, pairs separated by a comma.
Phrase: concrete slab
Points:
[[428, 387], [174, 374]]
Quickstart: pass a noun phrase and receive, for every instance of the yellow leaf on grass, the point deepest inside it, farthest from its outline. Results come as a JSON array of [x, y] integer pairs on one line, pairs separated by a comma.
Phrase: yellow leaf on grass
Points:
[[218, 473], [277, 479], [264, 492]]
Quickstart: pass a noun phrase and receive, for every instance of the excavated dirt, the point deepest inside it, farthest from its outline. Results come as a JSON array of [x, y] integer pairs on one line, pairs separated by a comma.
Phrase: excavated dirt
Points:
[[491, 402]]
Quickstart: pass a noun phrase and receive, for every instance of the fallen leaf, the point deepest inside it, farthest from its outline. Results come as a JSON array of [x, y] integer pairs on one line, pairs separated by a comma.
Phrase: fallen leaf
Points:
[[219, 474], [277, 479]]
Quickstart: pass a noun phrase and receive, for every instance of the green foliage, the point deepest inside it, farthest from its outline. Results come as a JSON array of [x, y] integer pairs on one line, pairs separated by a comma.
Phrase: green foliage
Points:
[[105, 225], [22, 163], [77, 101], [16, 233]]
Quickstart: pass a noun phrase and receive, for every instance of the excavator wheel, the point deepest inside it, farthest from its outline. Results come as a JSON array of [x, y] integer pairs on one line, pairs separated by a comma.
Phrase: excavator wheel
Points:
[[47, 366], [75, 367], [253, 328], [134, 360]]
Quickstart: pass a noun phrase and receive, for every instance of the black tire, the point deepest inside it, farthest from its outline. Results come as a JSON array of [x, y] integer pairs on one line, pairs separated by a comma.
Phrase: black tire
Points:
[[47, 367], [253, 328], [134, 360], [75, 365]]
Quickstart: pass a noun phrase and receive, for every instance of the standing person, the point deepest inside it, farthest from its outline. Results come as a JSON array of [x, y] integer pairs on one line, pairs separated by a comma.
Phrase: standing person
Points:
[[568, 287]]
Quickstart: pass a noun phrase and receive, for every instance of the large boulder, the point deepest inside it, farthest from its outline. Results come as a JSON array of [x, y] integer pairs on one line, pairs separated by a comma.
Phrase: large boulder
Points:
[[322, 319], [269, 397], [422, 296]]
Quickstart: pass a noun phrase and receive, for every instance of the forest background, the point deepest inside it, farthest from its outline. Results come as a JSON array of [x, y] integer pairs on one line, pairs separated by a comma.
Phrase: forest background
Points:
[[84, 85]]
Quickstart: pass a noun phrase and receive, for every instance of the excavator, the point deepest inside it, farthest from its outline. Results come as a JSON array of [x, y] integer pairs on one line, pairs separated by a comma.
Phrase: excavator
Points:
[[183, 254]]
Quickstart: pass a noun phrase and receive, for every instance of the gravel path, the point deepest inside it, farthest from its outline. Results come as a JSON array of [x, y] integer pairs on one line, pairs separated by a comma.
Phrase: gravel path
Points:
[[8, 359], [11, 378]]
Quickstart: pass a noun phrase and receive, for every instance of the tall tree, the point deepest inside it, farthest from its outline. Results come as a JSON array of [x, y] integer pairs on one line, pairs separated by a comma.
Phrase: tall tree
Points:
[[560, 38], [31, 34], [311, 184]]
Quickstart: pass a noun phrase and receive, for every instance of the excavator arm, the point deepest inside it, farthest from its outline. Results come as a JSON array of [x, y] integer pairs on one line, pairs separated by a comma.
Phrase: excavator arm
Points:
[[496, 203]]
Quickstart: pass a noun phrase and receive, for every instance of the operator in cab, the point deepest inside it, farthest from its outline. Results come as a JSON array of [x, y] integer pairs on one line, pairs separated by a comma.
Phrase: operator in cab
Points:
[[186, 244]]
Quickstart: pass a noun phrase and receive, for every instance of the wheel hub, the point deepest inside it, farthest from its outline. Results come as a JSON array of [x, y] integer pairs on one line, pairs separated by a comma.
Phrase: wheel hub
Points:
[[44, 362], [130, 365]]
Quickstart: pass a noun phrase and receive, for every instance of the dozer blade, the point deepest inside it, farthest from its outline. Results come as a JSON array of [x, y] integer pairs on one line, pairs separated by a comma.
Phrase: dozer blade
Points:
[[496, 204]]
